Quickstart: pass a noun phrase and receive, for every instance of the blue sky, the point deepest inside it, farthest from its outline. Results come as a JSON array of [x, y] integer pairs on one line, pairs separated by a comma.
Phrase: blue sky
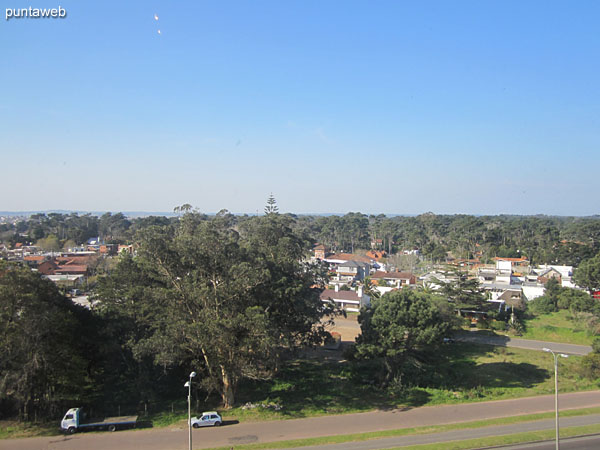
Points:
[[481, 107]]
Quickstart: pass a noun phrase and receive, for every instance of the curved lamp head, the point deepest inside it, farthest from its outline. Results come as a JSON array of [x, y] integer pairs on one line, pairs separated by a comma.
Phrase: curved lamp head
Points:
[[562, 355], [192, 375], [187, 384]]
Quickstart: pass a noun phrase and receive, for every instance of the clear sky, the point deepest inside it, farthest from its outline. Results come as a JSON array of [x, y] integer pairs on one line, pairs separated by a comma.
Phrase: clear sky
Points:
[[480, 107]]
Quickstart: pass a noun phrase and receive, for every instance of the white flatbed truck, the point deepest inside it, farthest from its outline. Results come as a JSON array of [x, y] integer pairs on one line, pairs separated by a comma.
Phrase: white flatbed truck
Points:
[[75, 420]]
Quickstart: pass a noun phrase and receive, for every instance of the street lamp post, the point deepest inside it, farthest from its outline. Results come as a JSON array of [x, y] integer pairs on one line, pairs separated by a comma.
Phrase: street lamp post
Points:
[[556, 355], [188, 384]]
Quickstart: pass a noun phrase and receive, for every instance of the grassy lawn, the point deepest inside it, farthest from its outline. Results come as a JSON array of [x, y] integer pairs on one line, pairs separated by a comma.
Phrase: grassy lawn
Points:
[[12, 429], [467, 373], [557, 327], [510, 439]]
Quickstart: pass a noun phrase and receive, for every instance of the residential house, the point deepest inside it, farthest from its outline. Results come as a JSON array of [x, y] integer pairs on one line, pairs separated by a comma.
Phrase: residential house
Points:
[[47, 267], [348, 300], [566, 274], [376, 243], [72, 269], [518, 265], [320, 251], [126, 249], [350, 271], [549, 274], [395, 279]]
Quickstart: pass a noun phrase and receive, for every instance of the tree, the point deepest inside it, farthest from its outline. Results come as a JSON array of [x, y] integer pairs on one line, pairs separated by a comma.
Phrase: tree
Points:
[[42, 362], [588, 273], [464, 292], [224, 300], [271, 207], [49, 243], [370, 289], [400, 328], [185, 208]]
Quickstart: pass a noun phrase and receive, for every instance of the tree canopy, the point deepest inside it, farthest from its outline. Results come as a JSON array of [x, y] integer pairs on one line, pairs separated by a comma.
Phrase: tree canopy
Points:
[[224, 301], [588, 273], [42, 347], [401, 328]]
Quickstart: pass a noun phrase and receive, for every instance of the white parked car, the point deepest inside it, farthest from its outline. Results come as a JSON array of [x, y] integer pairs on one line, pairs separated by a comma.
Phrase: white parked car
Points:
[[208, 419]]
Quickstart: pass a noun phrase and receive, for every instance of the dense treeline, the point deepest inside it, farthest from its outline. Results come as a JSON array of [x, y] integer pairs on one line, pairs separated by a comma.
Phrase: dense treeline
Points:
[[45, 341], [227, 300], [543, 239]]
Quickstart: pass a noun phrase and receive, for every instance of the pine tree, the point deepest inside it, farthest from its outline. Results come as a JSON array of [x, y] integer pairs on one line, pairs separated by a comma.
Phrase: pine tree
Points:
[[271, 207]]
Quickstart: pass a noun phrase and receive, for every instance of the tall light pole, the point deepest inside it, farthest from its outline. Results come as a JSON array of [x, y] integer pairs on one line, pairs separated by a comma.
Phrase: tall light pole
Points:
[[556, 355], [188, 384]]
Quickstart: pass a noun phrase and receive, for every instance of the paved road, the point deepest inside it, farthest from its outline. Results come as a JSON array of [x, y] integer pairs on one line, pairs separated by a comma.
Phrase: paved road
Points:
[[349, 329], [175, 438], [505, 341], [575, 443], [459, 435]]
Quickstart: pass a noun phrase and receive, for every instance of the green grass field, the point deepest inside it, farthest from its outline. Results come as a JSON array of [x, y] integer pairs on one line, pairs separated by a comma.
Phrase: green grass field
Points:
[[467, 373], [557, 327]]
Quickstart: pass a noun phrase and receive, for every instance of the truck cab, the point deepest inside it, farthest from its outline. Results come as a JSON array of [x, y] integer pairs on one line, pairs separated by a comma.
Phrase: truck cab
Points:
[[70, 422]]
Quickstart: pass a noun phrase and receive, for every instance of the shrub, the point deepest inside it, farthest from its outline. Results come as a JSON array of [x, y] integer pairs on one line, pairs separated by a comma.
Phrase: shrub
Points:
[[543, 305], [466, 322], [498, 325], [590, 366], [483, 324], [596, 345]]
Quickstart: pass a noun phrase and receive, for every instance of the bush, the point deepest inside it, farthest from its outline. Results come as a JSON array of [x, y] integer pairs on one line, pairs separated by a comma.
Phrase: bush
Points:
[[498, 325], [543, 305], [590, 366], [575, 300], [596, 345], [516, 328], [483, 324], [588, 321]]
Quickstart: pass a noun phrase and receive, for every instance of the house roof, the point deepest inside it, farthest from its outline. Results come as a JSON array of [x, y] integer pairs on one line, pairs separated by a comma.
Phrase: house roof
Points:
[[395, 275], [521, 259], [547, 271], [37, 258], [68, 260], [72, 268], [376, 254], [320, 247], [340, 295], [349, 257], [353, 264]]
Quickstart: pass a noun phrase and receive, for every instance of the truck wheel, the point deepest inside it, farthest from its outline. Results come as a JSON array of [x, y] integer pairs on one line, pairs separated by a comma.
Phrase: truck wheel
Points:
[[71, 430], [196, 425], [111, 428], [217, 424]]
